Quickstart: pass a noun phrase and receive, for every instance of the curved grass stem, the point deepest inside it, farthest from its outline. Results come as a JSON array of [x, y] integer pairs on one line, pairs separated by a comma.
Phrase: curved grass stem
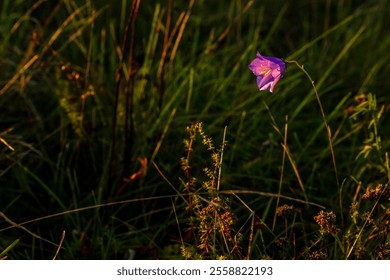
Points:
[[328, 131]]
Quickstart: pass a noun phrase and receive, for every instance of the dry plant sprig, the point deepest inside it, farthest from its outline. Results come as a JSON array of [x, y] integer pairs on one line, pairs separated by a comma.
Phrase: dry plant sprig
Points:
[[317, 255], [193, 130], [326, 221], [211, 219], [374, 193], [284, 210], [375, 226], [216, 224]]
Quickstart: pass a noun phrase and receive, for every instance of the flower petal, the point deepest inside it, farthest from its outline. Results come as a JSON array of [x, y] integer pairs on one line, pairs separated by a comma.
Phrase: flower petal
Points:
[[268, 70], [264, 82]]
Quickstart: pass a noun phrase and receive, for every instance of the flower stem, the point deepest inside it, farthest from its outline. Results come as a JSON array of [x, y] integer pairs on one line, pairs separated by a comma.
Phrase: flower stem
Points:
[[328, 131]]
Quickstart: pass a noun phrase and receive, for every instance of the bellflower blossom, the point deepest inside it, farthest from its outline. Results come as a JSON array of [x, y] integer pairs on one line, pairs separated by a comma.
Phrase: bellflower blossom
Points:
[[268, 70]]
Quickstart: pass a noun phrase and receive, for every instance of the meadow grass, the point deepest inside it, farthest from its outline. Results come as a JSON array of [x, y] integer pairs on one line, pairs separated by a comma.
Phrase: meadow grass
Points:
[[135, 130]]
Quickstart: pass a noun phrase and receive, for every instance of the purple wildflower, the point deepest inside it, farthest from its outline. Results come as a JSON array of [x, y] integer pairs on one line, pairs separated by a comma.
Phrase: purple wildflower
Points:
[[268, 70]]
